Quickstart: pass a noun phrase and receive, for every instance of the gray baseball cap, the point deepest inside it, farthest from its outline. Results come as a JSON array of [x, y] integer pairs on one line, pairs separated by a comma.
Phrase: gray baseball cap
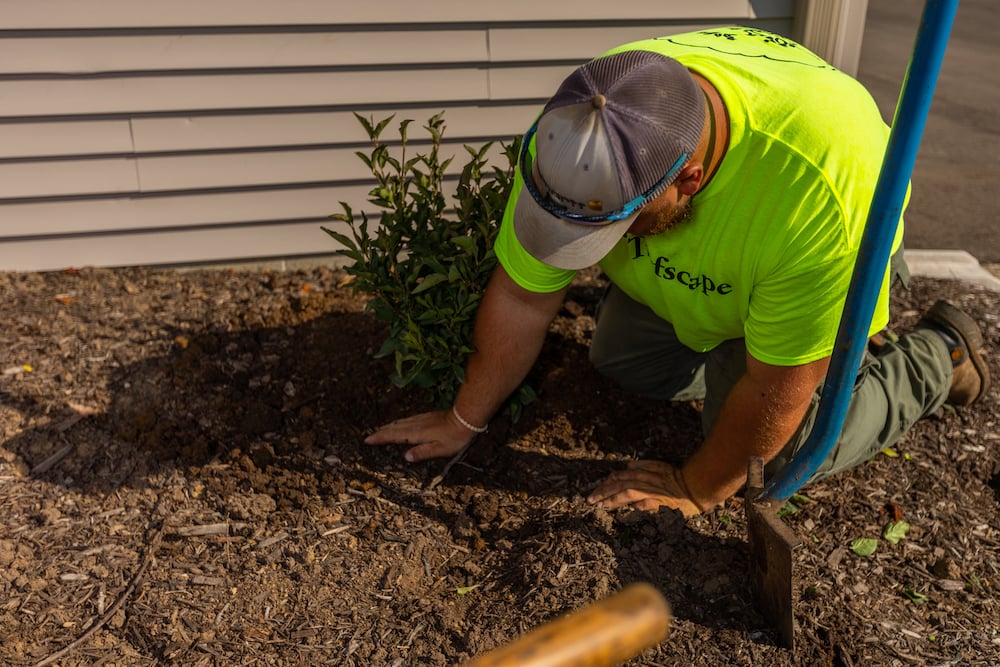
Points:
[[612, 138]]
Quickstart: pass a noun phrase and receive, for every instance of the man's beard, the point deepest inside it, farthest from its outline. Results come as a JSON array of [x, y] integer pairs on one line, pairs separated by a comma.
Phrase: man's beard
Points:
[[669, 218]]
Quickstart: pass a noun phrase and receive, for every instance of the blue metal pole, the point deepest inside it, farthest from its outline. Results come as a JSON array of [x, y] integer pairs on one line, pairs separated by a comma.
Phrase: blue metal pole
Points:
[[873, 255]]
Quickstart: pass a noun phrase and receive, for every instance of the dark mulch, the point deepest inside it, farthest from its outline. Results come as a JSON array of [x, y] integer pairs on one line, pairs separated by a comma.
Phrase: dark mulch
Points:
[[182, 476]]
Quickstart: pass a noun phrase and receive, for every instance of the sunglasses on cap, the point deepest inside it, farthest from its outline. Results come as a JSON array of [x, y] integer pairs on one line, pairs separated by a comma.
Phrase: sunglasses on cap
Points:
[[558, 210]]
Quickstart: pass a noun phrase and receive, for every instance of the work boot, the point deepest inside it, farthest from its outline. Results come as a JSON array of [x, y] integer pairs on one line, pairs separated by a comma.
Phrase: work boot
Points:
[[876, 343], [970, 377]]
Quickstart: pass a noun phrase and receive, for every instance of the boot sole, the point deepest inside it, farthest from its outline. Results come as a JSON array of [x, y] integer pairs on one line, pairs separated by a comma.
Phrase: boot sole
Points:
[[948, 315]]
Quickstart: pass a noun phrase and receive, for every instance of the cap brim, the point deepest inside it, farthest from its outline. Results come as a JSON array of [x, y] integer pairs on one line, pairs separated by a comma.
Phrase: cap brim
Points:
[[561, 243]]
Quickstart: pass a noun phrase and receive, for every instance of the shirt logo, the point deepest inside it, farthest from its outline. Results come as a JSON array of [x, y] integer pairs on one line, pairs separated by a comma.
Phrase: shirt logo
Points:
[[664, 270]]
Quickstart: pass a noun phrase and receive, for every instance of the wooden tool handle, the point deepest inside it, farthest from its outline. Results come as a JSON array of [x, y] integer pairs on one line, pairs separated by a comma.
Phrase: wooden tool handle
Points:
[[602, 634]]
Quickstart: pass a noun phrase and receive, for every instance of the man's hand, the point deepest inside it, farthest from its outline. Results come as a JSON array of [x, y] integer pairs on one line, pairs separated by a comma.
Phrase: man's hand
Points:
[[646, 485], [435, 434]]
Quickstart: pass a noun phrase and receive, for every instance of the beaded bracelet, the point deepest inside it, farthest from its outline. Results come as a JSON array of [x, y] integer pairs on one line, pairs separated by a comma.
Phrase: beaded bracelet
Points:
[[474, 429]]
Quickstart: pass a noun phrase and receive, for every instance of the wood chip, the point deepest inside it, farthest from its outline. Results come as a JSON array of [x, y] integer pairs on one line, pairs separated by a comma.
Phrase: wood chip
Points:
[[833, 561], [207, 529], [263, 544], [202, 580], [950, 584], [50, 463]]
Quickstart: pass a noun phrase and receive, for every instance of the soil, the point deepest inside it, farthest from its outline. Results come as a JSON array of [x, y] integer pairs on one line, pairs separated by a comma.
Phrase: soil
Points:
[[182, 480]]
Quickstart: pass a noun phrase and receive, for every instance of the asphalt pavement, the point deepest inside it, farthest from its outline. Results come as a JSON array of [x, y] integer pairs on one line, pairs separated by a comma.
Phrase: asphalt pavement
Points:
[[956, 179]]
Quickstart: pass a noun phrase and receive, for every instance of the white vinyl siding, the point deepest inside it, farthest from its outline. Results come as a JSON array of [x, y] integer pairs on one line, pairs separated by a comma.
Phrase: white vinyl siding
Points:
[[188, 131]]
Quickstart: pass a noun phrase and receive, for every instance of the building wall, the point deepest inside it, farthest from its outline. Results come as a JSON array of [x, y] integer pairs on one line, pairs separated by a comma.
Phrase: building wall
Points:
[[142, 133]]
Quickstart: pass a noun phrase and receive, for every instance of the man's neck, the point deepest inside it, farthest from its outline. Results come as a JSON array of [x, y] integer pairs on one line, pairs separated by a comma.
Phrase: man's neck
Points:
[[715, 135]]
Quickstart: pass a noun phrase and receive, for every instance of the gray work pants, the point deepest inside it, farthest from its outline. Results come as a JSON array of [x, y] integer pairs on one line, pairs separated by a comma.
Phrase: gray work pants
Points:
[[897, 384]]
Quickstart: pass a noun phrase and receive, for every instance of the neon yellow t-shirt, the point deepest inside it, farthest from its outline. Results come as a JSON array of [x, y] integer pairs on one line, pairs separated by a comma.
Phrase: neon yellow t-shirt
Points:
[[769, 250]]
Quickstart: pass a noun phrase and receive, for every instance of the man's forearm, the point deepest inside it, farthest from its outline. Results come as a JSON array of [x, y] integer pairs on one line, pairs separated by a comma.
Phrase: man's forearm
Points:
[[510, 329], [758, 418]]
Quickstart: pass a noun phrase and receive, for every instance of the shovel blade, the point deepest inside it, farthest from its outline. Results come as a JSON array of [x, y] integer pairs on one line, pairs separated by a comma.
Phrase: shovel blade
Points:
[[771, 546]]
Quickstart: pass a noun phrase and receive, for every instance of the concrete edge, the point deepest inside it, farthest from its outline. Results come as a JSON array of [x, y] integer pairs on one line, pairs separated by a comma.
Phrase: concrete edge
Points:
[[950, 265]]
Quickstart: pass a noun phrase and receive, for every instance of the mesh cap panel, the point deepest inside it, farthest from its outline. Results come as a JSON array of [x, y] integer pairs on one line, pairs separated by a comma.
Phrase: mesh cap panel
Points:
[[653, 114]]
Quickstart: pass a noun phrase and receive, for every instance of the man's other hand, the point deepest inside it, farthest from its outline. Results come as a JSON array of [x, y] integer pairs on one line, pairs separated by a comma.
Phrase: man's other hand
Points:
[[645, 485]]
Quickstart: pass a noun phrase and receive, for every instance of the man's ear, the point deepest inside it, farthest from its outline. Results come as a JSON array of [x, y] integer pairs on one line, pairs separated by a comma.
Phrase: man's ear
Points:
[[690, 177]]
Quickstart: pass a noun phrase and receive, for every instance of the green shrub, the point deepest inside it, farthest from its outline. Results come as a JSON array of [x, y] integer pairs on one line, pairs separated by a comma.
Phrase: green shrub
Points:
[[425, 267]]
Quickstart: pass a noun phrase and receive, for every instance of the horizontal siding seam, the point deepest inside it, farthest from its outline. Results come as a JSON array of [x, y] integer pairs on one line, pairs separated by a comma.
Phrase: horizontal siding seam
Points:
[[161, 229], [459, 24], [375, 107], [181, 192]]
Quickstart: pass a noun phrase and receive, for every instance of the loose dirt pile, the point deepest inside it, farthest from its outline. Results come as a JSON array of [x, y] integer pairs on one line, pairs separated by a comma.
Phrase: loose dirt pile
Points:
[[182, 481]]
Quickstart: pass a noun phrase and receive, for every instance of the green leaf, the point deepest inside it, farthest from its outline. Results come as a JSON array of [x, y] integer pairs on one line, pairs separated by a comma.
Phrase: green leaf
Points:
[[374, 134], [466, 243], [793, 504], [365, 123], [864, 546], [353, 255], [527, 394], [429, 282], [800, 499], [382, 312], [402, 128], [895, 531], [788, 508], [340, 238], [388, 347]]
